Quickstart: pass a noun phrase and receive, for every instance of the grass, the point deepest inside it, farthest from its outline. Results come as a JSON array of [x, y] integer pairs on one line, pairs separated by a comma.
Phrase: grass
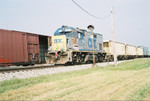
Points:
[[143, 93], [18, 83], [129, 81], [136, 64]]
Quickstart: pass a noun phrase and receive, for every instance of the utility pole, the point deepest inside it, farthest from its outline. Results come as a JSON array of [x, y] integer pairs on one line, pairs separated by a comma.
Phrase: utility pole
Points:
[[94, 65], [113, 38], [91, 28]]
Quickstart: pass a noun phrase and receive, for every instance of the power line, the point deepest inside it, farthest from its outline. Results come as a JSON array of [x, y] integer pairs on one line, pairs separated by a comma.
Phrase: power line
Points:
[[88, 12]]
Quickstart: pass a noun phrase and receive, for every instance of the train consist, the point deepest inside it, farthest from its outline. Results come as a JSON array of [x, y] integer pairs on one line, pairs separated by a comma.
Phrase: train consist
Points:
[[125, 51], [68, 46], [74, 46], [22, 48]]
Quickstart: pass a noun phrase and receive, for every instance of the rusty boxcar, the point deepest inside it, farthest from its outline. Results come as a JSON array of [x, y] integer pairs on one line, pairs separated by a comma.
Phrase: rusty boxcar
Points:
[[22, 48]]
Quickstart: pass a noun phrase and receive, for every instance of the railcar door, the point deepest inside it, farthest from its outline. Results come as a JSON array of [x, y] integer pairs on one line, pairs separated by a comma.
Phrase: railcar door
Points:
[[33, 48]]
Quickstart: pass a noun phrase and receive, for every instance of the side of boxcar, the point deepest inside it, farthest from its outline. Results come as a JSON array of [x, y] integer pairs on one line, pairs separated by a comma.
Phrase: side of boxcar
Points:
[[13, 47], [21, 48]]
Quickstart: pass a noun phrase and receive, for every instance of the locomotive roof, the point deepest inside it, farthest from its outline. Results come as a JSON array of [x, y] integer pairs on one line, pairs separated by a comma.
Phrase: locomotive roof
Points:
[[76, 29]]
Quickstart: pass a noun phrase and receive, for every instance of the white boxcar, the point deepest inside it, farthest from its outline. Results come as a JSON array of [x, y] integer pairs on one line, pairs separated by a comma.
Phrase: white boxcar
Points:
[[119, 47], [139, 51], [130, 50]]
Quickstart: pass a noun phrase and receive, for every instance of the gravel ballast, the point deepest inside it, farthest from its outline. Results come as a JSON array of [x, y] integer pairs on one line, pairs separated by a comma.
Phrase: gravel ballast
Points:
[[46, 71]]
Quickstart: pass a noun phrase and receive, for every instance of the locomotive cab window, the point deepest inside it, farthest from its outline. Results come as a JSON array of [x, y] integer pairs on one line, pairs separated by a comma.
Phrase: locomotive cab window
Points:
[[80, 35], [68, 34], [62, 33], [74, 34], [56, 34], [95, 36], [84, 34]]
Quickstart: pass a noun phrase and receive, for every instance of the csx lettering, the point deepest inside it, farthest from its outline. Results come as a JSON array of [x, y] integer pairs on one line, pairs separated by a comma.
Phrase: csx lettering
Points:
[[90, 43], [57, 40]]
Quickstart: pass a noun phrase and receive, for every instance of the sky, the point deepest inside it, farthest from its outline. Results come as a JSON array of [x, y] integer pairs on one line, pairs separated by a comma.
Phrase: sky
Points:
[[131, 17]]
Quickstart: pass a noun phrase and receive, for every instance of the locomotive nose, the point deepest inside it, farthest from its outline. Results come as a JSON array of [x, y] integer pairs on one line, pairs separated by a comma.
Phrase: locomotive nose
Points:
[[59, 43]]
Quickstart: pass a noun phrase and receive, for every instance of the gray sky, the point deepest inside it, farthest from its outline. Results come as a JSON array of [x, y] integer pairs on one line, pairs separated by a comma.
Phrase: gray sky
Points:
[[131, 18]]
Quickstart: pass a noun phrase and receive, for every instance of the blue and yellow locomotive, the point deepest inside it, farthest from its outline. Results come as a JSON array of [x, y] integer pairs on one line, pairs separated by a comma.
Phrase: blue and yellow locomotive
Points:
[[74, 46]]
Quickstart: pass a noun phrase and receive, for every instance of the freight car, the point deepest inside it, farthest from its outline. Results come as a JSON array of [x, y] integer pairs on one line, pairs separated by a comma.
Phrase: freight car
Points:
[[74, 46], [139, 52], [120, 49], [123, 51], [146, 51], [130, 51], [22, 48]]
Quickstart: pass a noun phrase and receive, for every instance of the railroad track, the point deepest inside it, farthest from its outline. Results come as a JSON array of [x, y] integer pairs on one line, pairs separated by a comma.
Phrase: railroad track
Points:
[[39, 70], [22, 68], [35, 71], [19, 68]]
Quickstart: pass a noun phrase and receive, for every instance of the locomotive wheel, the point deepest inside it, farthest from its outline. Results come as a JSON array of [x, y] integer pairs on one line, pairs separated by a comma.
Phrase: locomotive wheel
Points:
[[78, 58], [74, 59], [82, 58]]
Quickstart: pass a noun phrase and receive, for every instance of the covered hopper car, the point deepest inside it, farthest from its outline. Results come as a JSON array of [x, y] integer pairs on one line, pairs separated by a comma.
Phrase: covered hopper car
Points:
[[22, 48], [130, 51], [124, 51], [120, 49], [139, 52], [146, 51]]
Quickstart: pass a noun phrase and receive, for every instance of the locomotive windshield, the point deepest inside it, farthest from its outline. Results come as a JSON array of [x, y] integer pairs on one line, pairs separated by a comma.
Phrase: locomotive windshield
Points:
[[68, 34]]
